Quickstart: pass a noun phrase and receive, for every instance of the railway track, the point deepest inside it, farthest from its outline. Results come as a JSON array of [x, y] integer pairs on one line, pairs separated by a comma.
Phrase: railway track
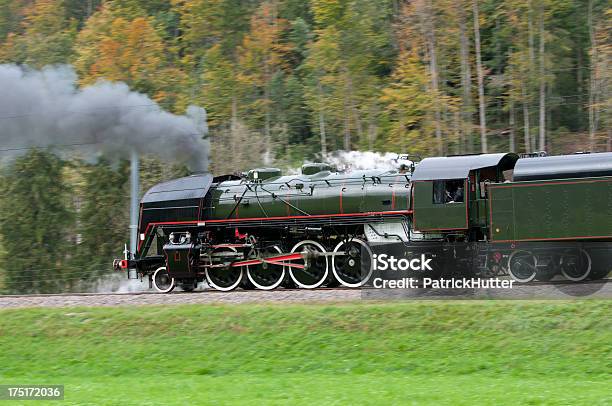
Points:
[[255, 291], [176, 292], [535, 290]]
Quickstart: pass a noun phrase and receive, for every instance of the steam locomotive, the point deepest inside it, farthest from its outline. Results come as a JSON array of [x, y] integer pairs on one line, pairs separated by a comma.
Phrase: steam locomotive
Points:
[[530, 218]]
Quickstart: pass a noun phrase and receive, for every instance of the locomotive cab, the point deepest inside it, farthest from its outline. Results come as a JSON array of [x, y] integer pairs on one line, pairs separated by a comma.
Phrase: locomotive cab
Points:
[[450, 193]]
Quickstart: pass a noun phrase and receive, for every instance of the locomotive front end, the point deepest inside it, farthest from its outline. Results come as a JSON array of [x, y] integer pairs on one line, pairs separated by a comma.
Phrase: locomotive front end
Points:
[[169, 213]]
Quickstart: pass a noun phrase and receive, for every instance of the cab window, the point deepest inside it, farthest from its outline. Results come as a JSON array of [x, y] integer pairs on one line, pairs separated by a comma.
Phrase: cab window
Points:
[[448, 191]]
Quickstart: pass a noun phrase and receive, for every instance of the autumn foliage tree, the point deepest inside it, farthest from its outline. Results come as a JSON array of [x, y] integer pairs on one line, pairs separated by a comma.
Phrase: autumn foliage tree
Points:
[[44, 36], [311, 77], [118, 47]]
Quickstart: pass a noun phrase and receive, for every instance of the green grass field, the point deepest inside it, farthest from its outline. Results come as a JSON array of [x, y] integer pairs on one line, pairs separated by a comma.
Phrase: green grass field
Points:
[[442, 352]]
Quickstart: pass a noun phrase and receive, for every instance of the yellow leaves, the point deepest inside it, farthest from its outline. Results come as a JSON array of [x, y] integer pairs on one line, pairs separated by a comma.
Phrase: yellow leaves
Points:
[[204, 23], [144, 49], [46, 36], [261, 56], [44, 17], [132, 51], [107, 61], [115, 48], [262, 51], [324, 64], [410, 102], [160, 96], [409, 85], [7, 50], [327, 12], [219, 86], [118, 46]]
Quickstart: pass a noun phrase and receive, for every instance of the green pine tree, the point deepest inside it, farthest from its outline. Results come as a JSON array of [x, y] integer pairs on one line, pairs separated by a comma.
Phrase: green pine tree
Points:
[[34, 224]]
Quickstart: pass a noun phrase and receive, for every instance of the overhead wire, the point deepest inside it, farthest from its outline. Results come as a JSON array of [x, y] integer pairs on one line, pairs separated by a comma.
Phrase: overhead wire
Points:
[[42, 113], [26, 273]]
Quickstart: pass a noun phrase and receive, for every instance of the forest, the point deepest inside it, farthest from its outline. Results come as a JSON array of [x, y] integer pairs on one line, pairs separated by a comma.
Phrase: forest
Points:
[[284, 81]]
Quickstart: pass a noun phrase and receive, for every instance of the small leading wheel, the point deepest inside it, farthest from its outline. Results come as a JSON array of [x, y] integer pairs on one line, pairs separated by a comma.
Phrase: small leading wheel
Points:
[[316, 269], [576, 267], [266, 276], [224, 278], [354, 267], [162, 282], [522, 266]]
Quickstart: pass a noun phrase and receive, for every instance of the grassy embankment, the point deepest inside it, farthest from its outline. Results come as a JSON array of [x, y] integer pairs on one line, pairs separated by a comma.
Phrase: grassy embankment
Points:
[[396, 353]]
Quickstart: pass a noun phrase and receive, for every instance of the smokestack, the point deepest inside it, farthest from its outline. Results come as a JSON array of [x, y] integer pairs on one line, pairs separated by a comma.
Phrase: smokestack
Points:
[[134, 201]]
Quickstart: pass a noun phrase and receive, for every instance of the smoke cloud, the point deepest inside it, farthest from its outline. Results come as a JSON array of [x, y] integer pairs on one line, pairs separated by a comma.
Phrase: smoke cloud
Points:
[[45, 108], [358, 160]]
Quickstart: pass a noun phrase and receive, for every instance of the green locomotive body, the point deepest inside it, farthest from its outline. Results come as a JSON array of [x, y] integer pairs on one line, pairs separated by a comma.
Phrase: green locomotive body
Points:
[[266, 194], [201, 226], [551, 210], [531, 217]]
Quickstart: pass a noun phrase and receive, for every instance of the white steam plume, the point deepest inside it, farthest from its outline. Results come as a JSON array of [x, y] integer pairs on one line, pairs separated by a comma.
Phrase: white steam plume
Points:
[[45, 108], [358, 160]]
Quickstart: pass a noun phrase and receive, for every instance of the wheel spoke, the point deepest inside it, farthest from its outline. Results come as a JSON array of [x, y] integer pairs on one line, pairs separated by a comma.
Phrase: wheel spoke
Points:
[[352, 264], [576, 267], [522, 266], [266, 276], [316, 271], [224, 278]]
